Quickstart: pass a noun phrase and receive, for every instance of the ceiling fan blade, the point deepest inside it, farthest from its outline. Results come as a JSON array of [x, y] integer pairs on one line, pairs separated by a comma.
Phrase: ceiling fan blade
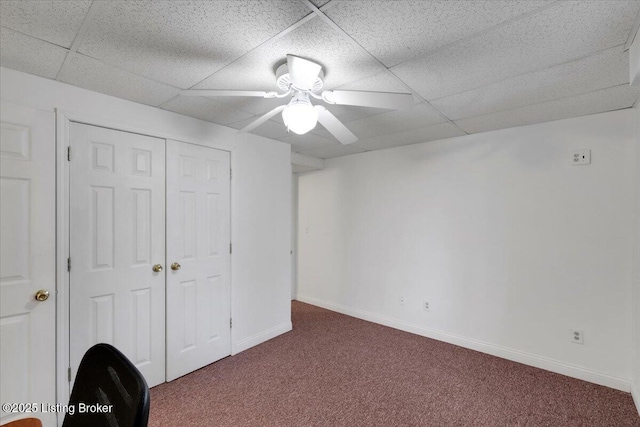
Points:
[[214, 92], [302, 72], [251, 126], [335, 126], [394, 101]]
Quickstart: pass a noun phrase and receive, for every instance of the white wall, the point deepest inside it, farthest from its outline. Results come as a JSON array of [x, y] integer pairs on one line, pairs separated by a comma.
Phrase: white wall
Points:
[[261, 195], [510, 244], [261, 234], [294, 235]]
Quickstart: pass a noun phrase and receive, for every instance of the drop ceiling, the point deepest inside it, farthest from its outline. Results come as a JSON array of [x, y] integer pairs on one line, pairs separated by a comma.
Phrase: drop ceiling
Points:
[[472, 66]]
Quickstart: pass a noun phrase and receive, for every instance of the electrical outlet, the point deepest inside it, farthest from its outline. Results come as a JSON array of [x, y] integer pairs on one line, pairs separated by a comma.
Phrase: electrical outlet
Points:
[[581, 157], [577, 336], [401, 300], [426, 306]]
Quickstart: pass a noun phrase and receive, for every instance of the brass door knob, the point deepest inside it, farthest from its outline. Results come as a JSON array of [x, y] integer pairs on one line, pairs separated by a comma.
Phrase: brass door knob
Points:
[[42, 295], [157, 268], [175, 266]]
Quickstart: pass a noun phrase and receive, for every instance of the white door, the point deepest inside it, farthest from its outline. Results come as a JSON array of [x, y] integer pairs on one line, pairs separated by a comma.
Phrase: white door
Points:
[[198, 260], [27, 259], [117, 236]]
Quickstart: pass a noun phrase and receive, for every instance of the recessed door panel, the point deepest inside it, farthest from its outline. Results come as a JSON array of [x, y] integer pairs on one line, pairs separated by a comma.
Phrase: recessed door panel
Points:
[[187, 223], [102, 226], [213, 225], [15, 228], [141, 324], [15, 352], [217, 322], [102, 319], [141, 238]]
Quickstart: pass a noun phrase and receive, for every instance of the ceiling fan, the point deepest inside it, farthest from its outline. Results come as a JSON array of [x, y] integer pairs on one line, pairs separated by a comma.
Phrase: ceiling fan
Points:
[[301, 79]]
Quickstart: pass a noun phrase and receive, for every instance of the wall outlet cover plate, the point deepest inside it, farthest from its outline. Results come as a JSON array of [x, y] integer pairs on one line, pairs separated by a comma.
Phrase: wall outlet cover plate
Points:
[[581, 157]]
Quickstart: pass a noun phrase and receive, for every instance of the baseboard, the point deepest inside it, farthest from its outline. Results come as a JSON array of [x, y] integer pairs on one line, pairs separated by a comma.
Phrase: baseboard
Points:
[[484, 347], [261, 337], [635, 393]]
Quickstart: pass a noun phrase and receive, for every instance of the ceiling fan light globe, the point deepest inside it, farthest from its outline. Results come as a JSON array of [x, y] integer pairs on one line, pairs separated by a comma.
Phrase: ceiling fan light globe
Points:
[[300, 118]]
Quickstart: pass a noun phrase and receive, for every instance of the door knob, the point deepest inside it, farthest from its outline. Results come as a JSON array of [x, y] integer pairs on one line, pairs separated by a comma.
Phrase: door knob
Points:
[[157, 268], [175, 266], [42, 295]]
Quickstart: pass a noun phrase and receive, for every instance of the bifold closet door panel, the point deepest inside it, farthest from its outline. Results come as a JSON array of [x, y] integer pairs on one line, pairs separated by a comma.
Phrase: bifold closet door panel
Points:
[[117, 246], [198, 259]]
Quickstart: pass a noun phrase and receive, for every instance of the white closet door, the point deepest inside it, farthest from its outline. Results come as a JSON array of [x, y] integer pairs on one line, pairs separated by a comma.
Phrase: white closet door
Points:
[[117, 212], [198, 242], [27, 259]]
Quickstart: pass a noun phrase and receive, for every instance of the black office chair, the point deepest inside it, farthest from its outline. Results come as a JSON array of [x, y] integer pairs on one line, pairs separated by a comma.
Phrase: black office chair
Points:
[[106, 377]]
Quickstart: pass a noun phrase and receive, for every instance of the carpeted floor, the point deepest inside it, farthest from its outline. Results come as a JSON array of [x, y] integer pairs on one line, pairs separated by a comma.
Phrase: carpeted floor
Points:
[[335, 370]]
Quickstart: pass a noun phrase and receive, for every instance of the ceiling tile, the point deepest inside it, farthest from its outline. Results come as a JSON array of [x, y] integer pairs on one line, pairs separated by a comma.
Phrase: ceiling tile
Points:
[[336, 150], [341, 60], [205, 109], [183, 42], [419, 116], [25, 53], [396, 31], [251, 105], [307, 141], [92, 74], [564, 32], [604, 69], [319, 3], [57, 22], [278, 119], [268, 129], [319, 130], [414, 136], [600, 101], [380, 82]]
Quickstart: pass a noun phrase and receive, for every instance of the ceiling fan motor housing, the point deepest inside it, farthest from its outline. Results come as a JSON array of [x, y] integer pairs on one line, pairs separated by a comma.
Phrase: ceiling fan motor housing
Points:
[[284, 82]]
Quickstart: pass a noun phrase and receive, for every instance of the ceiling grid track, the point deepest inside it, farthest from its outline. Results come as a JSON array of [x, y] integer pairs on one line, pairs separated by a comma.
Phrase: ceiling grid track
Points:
[[335, 26], [276, 37], [480, 33], [548, 100], [84, 28], [48, 44], [580, 58], [633, 33]]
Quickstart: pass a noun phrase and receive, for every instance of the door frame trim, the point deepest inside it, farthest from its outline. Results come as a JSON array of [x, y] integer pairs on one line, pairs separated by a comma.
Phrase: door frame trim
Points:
[[63, 119]]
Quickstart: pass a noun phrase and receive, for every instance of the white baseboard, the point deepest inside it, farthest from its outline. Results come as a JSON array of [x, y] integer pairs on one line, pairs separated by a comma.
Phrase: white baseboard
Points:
[[261, 337], [635, 393], [484, 347]]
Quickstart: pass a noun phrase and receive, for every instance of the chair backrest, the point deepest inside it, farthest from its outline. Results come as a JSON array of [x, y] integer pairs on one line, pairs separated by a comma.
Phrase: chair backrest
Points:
[[117, 390], [24, 422]]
